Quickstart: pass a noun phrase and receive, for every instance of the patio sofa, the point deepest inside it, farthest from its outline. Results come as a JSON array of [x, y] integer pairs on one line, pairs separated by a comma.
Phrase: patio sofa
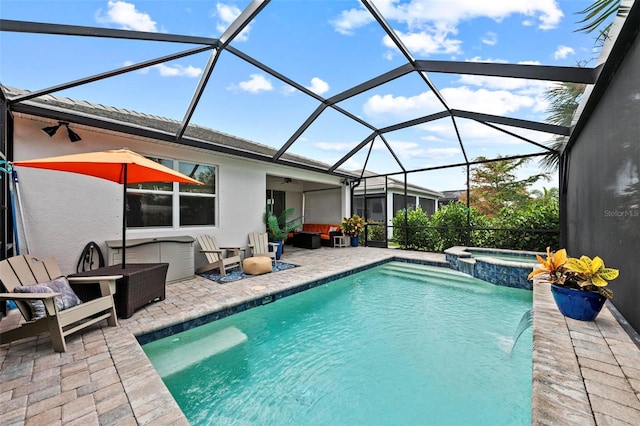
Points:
[[327, 232]]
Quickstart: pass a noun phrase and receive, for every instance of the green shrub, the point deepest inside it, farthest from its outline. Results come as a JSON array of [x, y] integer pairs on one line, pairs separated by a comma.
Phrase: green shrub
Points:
[[376, 231], [451, 223], [535, 216], [448, 227], [419, 235]]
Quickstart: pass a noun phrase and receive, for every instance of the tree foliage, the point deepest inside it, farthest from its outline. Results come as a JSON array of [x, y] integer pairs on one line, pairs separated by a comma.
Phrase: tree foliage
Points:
[[524, 227], [563, 99], [419, 235], [517, 227], [451, 222], [597, 16], [495, 185]]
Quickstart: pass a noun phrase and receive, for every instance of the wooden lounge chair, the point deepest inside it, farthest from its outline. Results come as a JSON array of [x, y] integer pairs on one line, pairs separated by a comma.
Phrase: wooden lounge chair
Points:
[[217, 256], [28, 270], [259, 245]]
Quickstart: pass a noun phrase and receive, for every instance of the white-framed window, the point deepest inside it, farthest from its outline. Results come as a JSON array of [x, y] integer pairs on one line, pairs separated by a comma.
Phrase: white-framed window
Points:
[[166, 204]]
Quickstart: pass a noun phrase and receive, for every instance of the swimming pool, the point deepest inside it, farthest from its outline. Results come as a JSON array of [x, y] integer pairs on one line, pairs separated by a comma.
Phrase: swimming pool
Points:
[[393, 344]]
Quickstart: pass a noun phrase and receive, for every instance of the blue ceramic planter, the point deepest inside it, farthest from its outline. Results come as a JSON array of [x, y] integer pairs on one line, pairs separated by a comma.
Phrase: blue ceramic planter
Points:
[[279, 250], [355, 241], [576, 304]]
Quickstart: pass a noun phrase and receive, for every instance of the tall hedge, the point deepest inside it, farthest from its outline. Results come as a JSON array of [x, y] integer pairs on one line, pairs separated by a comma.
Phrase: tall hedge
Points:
[[419, 235], [448, 227]]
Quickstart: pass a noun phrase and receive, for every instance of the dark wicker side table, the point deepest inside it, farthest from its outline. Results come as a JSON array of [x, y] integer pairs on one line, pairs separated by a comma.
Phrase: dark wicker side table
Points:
[[308, 240], [141, 284]]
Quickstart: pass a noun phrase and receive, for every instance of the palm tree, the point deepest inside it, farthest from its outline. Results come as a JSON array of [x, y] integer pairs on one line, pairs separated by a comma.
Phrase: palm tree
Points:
[[598, 13], [564, 99]]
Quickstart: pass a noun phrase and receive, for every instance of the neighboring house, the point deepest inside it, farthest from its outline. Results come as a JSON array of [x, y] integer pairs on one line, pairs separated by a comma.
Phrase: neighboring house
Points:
[[379, 198], [451, 196], [63, 211]]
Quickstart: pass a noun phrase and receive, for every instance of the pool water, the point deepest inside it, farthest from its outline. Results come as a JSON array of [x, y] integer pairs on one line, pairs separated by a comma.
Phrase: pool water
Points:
[[396, 344], [505, 256]]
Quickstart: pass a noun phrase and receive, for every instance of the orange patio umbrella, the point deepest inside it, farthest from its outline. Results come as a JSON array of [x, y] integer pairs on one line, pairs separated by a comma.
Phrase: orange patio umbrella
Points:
[[120, 165]]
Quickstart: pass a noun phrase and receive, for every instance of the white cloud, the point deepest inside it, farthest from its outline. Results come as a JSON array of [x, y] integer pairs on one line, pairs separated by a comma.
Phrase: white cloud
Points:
[[430, 138], [443, 152], [126, 17], [519, 86], [490, 38], [522, 86], [402, 107], [476, 135], [404, 150], [228, 13], [170, 70], [429, 25], [496, 102], [318, 86], [419, 14], [351, 19], [427, 42], [413, 150], [562, 52], [256, 83], [178, 70], [335, 146], [350, 164]]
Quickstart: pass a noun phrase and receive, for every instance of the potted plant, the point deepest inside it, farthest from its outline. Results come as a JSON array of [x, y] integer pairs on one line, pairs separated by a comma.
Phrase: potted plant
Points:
[[278, 227], [352, 226], [579, 286]]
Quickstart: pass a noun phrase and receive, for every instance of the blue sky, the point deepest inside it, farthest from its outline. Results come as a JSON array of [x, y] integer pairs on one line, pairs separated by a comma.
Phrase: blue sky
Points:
[[327, 46]]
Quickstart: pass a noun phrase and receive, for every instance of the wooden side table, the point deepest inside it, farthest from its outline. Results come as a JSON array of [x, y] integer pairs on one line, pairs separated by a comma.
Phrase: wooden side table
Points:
[[339, 241]]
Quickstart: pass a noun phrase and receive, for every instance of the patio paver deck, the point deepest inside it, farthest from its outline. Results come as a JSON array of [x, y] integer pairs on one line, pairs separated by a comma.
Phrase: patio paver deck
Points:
[[583, 373]]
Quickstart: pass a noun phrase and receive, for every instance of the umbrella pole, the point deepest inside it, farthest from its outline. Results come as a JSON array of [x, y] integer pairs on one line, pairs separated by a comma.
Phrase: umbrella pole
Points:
[[124, 219]]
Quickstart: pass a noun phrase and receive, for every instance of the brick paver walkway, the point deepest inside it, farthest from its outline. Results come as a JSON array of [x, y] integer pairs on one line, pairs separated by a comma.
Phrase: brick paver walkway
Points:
[[584, 373]]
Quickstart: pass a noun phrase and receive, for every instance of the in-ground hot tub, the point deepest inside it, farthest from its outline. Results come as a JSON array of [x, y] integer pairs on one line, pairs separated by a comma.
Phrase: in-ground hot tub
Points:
[[498, 266]]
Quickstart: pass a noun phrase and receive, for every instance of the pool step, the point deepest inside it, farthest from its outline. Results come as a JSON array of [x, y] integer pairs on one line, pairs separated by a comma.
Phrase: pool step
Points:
[[170, 361], [430, 271], [440, 277]]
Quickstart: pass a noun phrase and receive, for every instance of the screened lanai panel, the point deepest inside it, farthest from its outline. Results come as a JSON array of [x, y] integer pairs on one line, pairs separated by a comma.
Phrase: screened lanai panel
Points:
[[328, 55], [446, 179], [246, 102], [358, 161], [480, 140], [397, 101], [331, 136], [163, 89], [382, 160], [499, 96], [426, 145]]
